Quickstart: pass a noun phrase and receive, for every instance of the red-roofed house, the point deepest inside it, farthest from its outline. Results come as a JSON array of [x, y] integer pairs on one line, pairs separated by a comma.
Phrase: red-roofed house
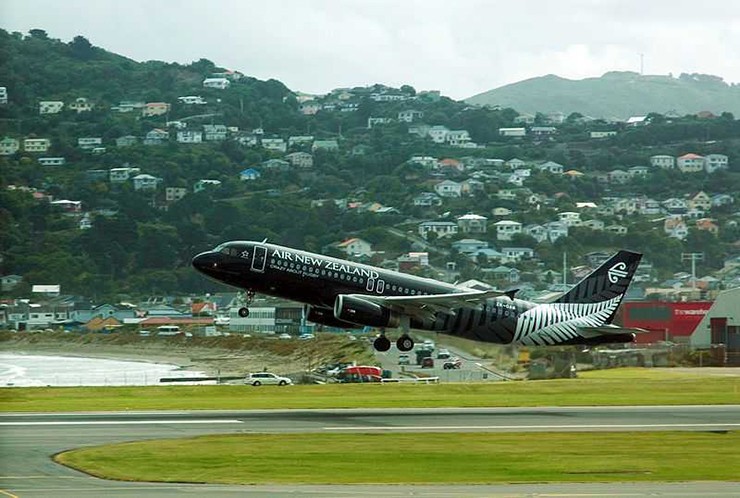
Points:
[[356, 247], [205, 308], [690, 163], [448, 164], [708, 225]]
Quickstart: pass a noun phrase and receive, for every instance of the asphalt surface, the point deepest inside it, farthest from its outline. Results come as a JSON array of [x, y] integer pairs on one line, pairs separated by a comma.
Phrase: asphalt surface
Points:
[[27, 441]]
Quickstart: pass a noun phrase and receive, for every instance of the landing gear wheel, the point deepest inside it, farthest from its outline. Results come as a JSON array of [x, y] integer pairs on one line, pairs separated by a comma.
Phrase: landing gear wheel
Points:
[[243, 312], [405, 343], [382, 344]]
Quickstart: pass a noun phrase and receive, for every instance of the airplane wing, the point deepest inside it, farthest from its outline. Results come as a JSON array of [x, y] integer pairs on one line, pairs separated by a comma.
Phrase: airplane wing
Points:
[[609, 329], [425, 306]]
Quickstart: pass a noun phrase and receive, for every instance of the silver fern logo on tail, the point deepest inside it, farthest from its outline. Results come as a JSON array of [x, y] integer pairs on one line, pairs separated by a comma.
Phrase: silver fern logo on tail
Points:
[[617, 271]]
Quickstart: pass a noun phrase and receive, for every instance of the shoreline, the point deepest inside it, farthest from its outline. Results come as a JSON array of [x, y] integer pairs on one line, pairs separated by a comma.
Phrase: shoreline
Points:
[[186, 357]]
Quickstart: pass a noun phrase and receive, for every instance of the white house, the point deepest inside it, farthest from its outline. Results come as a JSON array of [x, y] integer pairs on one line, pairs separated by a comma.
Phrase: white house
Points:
[[441, 228], [156, 136], [36, 144], [457, 138], [52, 161], [89, 142], [3, 95], [81, 104], [410, 115], [517, 253], [506, 229], [155, 109], [602, 134], [120, 175], [145, 182], [215, 133], [300, 159], [663, 161], [715, 162], [276, 144], [218, 83], [174, 194], [192, 100], [427, 199], [570, 218], [50, 106], [438, 134], [551, 167], [356, 247], [472, 223], [203, 184], [9, 146], [512, 132], [189, 137], [325, 145], [555, 230], [448, 188]]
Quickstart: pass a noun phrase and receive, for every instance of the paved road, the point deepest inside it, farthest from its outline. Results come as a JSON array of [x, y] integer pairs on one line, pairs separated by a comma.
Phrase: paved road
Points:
[[28, 440]]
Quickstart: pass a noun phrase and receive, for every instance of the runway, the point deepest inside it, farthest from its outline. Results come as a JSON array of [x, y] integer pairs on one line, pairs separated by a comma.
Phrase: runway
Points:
[[29, 440]]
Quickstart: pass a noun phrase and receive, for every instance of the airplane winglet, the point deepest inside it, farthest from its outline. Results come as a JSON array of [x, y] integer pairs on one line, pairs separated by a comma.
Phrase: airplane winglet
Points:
[[511, 293]]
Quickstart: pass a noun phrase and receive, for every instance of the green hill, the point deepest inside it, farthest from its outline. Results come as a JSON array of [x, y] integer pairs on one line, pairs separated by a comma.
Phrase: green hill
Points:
[[616, 94]]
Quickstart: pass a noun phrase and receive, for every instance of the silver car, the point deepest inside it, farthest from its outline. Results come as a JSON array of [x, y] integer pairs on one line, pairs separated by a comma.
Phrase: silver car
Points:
[[258, 379]]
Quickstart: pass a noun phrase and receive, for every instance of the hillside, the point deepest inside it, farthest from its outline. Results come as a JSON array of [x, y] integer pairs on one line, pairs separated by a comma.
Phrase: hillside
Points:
[[616, 94], [125, 215]]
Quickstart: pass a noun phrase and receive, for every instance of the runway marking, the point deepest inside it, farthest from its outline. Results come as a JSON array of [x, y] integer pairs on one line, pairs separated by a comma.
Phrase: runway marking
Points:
[[125, 422], [7, 493], [521, 427]]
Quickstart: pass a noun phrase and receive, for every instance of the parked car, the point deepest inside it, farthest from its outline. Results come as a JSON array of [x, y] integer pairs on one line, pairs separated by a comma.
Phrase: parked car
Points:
[[452, 364], [306, 337], [258, 379], [403, 359], [427, 362], [285, 336], [443, 354]]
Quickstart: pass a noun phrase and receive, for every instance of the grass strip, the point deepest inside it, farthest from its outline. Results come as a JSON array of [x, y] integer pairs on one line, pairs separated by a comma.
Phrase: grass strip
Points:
[[435, 458], [613, 387]]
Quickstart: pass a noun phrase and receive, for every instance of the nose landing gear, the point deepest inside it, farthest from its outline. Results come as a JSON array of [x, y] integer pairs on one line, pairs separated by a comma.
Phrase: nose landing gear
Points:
[[244, 310]]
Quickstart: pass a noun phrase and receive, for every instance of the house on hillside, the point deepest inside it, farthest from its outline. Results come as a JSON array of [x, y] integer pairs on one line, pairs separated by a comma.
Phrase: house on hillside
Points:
[[356, 247], [472, 223], [690, 163], [441, 228], [506, 229], [249, 174], [448, 188], [155, 109]]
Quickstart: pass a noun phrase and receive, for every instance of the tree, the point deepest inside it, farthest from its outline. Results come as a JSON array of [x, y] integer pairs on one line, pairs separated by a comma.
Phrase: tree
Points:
[[81, 48]]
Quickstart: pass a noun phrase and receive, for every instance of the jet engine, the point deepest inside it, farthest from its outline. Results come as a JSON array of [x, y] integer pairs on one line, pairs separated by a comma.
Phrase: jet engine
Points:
[[325, 316], [361, 311]]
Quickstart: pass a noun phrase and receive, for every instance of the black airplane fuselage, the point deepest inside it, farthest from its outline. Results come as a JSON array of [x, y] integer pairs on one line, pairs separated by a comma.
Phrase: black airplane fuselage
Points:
[[345, 294]]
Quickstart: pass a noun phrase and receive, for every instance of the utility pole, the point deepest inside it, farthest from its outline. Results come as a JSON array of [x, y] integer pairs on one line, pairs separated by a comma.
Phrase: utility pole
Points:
[[565, 270], [693, 257]]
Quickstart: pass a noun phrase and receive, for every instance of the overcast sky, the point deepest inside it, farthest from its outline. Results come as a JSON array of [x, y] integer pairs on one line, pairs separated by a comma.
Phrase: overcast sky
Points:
[[461, 47]]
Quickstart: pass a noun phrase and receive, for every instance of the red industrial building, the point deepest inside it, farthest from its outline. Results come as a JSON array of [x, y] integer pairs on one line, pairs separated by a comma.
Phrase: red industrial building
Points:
[[674, 322]]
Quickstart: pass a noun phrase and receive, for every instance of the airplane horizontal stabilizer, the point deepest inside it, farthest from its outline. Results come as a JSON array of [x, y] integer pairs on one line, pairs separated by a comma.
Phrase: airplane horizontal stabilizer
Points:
[[609, 330]]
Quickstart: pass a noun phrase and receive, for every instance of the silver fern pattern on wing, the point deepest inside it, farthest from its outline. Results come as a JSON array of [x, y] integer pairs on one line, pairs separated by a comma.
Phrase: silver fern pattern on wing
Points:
[[559, 322]]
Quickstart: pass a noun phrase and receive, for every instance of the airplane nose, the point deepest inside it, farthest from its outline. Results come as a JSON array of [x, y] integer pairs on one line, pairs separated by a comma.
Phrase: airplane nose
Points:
[[204, 261]]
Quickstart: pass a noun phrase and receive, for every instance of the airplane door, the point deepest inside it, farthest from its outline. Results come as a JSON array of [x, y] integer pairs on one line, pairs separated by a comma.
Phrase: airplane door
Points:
[[259, 258]]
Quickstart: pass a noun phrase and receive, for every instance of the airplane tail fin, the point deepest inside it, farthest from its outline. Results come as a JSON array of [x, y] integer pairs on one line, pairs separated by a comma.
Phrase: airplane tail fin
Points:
[[608, 281]]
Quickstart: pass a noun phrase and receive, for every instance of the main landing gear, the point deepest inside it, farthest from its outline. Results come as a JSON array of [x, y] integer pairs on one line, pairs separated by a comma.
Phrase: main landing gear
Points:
[[404, 343], [244, 310]]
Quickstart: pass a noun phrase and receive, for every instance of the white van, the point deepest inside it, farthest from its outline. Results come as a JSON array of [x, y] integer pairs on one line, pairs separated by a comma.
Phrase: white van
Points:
[[168, 330]]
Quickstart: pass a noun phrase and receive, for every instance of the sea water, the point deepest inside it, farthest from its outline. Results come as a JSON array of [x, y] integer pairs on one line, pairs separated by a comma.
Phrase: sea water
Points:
[[28, 370]]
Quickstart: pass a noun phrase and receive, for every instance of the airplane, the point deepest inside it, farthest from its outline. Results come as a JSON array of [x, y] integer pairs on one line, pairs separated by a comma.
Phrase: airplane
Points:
[[345, 294]]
